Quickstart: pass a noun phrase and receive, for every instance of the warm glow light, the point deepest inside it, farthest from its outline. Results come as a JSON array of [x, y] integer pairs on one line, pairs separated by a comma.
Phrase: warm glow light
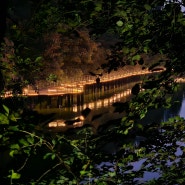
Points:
[[52, 124], [61, 124], [78, 86], [99, 104], [25, 91], [75, 108], [78, 124], [106, 102], [8, 94], [52, 90], [81, 118], [58, 123], [91, 105]]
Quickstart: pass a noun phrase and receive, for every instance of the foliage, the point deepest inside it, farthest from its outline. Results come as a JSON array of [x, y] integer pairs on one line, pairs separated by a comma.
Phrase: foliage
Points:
[[74, 160], [149, 29], [18, 70], [145, 28], [71, 55], [52, 78], [24, 144]]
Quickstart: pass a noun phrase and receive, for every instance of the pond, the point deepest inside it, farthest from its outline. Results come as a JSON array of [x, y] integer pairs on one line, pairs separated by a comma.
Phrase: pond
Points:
[[177, 108], [67, 106], [166, 149], [149, 170], [106, 99], [155, 142]]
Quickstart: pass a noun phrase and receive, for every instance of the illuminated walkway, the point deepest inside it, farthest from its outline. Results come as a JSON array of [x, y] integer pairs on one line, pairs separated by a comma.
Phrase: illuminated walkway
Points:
[[78, 86]]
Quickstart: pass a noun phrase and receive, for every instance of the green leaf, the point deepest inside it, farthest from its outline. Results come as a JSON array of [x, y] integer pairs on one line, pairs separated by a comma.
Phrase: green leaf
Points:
[[142, 115], [47, 155], [3, 119], [124, 119], [119, 23], [6, 109], [98, 7], [140, 126], [126, 132], [53, 156], [147, 7], [12, 118], [125, 50], [23, 142], [145, 49], [38, 59], [30, 140], [82, 172], [112, 174], [136, 57], [15, 146], [12, 153], [130, 157], [54, 142], [15, 175], [13, 128]]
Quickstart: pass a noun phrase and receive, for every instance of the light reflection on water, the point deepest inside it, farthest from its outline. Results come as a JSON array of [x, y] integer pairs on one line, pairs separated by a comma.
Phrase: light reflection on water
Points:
[[106, 102]]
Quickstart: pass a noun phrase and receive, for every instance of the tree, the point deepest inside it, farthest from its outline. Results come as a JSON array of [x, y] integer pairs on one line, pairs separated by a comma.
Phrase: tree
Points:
[[150, 29]]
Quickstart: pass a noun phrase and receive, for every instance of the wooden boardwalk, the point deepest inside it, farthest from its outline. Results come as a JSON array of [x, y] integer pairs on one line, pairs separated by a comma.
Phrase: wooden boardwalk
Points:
[[77, 86]]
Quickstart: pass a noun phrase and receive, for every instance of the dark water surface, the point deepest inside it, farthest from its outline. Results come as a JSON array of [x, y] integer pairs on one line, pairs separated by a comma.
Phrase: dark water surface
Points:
[[154, 116], [106, 99], [69, 106], [177, 108], [123, 94]]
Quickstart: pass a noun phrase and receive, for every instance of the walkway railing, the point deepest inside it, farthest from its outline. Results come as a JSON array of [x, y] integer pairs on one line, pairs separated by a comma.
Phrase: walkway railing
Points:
[[77, 85]]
